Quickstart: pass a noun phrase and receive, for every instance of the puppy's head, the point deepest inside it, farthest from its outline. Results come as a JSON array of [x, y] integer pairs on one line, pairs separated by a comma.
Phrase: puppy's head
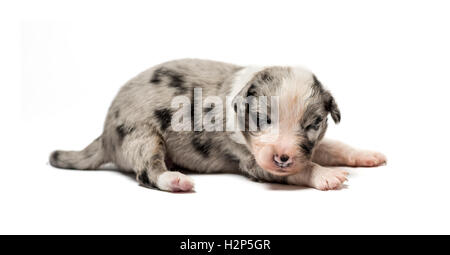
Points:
[[284, 114]]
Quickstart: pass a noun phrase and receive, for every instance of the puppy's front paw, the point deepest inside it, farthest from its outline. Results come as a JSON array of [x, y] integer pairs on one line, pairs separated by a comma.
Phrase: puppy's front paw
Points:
[[366, 159], [175, 182], [328, 178]]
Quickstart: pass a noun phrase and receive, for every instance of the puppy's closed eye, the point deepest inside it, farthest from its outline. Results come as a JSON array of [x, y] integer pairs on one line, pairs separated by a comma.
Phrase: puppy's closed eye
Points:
[[315, 125], [261, 120]]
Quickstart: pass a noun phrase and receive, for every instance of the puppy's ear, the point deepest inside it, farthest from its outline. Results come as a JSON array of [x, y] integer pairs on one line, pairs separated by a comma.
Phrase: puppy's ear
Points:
[[331, 106], [328, 100]]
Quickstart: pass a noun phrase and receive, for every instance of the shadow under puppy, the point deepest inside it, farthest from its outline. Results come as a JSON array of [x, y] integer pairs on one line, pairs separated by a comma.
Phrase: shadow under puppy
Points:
[[139, 133]]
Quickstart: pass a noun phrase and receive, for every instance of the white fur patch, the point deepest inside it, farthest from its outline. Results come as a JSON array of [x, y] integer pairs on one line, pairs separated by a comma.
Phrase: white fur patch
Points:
[[294, 94]]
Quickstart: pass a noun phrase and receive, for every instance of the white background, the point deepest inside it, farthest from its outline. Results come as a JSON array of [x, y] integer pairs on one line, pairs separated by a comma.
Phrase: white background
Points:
[[387, 63]]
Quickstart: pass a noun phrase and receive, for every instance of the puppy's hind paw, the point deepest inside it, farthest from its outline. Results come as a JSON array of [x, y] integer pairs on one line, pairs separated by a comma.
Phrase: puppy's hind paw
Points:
[[366, 159], [175, 182]]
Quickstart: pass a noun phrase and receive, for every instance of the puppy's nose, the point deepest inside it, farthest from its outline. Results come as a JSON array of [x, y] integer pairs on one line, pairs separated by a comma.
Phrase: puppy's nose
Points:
[[284, 158], [282, 161]]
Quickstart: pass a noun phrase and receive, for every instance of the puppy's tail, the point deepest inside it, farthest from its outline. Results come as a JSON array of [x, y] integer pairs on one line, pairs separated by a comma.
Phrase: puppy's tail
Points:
[[89, 158]]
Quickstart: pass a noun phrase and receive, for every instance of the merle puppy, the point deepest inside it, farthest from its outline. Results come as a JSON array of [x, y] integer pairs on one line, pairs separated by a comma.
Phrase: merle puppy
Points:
[[141, 133]]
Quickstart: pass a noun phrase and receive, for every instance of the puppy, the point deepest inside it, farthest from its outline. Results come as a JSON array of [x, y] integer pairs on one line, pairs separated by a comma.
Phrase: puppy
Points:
[[205, 116]]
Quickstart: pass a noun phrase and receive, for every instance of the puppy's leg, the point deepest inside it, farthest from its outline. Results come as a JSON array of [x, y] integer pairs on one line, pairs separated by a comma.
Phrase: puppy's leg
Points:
[[313, 175], [144, 151], [319, 177], [334, 153]]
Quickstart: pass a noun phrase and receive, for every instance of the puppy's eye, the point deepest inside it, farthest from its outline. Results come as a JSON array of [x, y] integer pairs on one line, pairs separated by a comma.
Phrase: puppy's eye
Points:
[[268, 120], [263, 121], [312, 127], [315, 125]]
